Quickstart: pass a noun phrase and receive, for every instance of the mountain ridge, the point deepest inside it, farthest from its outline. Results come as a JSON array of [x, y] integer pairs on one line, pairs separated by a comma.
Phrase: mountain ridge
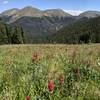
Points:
[[30, 11], [36, 22], [14, 14], [90, 14]]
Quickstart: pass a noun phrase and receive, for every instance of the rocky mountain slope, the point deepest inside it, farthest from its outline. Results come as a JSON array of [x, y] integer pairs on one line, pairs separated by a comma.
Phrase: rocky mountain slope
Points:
[[14, 14]]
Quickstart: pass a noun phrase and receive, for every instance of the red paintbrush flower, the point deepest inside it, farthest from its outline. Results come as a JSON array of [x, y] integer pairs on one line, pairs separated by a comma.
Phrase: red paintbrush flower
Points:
[[34, 56], [51, 85], [28, 98], [61, 79]]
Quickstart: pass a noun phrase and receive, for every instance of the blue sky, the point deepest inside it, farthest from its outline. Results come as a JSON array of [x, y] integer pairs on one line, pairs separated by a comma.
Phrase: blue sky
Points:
[[72, 6]]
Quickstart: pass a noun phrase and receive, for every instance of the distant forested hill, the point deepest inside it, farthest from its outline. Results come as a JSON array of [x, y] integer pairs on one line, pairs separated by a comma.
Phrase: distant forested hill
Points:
[[82, 31]]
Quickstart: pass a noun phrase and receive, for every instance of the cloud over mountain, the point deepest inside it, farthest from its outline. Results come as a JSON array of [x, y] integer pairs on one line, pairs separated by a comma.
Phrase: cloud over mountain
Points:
[[74, 12]]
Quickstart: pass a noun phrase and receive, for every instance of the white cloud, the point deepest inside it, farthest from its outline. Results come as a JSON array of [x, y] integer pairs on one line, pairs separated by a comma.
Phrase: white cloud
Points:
[[5, 2], [74, 12]]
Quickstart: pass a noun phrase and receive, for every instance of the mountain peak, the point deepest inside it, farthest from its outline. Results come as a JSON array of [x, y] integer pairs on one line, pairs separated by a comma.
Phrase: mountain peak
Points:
[[90, 14], [29, 11], [30, 8], [57, 12], [10, 12]]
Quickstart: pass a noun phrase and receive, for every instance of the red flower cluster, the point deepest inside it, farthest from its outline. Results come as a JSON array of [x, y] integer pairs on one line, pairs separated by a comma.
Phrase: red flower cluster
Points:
[[28, 98], [61, 79], [34, 56], [51, 85]]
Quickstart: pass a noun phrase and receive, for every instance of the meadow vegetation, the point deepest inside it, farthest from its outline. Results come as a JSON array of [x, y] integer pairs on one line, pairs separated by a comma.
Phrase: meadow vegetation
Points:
[[50, 72]]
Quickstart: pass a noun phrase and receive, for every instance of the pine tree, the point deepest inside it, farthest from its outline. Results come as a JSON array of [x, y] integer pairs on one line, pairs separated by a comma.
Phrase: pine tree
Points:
[[22, 35], [8, 34]]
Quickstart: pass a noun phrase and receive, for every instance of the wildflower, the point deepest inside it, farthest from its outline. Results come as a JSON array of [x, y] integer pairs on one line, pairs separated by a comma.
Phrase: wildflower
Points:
[[28, 98], [34, 56], [51, 85], [61, 79]]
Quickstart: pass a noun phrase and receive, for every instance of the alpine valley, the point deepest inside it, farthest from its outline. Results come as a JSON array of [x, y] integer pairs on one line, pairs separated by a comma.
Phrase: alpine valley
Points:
[[48, 26]]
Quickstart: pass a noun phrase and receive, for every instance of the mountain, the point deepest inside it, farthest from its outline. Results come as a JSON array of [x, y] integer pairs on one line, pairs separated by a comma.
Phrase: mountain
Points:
[[10, 12], [12, 15], [7, 15], [90, 14], [82, 31], [43, 25], [38, 23], [15, 14], [55, 13], [26, 12]]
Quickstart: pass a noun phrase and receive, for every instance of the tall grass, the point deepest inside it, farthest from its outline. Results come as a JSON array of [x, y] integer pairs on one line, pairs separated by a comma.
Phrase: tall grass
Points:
[[50, 72]]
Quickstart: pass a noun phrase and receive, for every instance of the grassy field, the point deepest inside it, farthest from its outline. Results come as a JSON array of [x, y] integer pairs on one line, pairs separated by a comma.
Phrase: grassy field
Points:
[[50, 72]]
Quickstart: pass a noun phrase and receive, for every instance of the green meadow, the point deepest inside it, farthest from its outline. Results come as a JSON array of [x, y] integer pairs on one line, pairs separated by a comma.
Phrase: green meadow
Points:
[[50, 72]]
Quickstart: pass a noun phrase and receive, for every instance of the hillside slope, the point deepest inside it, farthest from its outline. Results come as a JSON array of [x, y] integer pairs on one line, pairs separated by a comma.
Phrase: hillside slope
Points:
[[90, 14], [84, 31], [37, 22]]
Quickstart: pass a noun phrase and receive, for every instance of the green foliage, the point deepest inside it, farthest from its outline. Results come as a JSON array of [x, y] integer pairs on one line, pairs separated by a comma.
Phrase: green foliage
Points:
[[21, 77], [11, 35], [82, 31]]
